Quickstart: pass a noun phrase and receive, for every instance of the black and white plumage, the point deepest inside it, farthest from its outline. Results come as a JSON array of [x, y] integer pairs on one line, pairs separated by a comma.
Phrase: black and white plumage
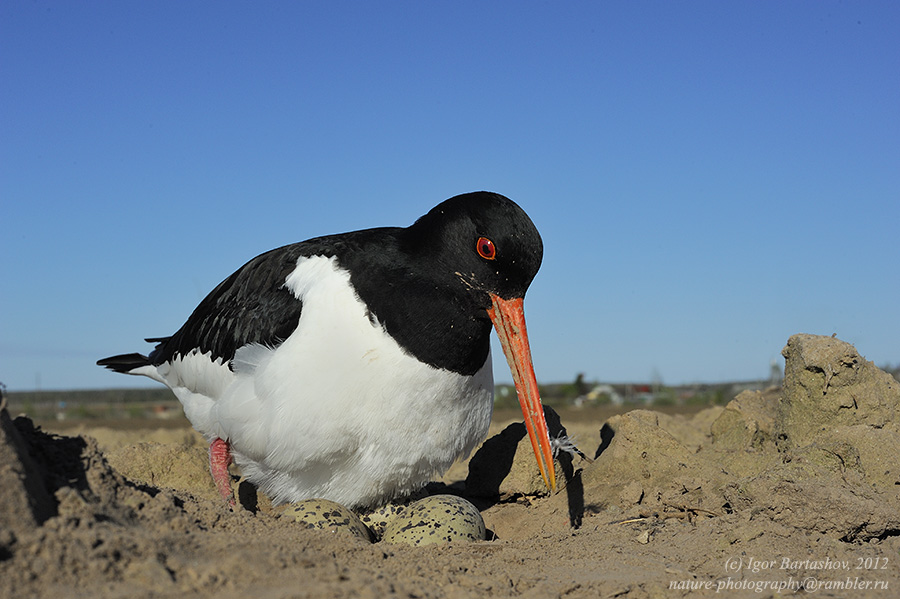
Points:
[[356, 367]]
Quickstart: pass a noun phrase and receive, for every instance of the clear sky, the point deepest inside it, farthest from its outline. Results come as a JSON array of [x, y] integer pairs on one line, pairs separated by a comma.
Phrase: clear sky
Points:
[[708, 177]]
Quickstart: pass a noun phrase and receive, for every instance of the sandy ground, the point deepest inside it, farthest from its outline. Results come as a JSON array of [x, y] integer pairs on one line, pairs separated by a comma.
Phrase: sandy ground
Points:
[[794, 490]]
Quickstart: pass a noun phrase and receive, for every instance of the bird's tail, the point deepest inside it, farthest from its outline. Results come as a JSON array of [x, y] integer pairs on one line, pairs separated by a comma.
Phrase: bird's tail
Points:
[[125, 363]]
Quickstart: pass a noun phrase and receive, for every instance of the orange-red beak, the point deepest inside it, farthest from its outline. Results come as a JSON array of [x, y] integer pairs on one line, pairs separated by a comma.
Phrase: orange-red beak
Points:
[[508, 317]]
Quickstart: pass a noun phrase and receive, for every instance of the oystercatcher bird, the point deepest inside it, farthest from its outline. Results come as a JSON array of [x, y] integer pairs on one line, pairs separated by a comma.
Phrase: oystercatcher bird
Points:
[[356, 367]]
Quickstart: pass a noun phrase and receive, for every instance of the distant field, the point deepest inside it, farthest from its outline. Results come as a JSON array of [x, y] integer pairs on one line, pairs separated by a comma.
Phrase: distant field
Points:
[[157, 408], [110, 405]]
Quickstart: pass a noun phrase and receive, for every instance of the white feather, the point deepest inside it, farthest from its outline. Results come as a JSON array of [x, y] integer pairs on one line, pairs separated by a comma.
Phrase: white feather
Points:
[[338, 410], [564, 444]]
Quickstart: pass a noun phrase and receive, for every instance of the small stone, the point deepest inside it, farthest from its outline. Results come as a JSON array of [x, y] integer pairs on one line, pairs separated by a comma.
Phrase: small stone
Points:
[[632, 493]]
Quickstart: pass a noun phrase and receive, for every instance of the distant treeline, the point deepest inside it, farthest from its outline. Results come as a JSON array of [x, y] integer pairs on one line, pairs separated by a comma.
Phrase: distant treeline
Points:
[[150, 395], [551, 393]]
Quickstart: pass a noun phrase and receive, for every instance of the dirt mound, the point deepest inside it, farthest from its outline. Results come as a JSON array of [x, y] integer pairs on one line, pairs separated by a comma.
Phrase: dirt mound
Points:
[[827, 384], [798, 487]]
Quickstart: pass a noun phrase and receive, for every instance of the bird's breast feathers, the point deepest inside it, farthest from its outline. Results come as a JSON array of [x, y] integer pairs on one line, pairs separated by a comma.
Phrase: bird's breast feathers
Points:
[[338, 391]]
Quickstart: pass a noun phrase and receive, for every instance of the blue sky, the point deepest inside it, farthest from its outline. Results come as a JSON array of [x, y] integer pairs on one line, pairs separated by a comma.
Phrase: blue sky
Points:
[[708, 177]]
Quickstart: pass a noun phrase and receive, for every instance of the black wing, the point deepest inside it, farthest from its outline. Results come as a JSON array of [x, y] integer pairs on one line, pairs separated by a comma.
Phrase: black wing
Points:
[[250, 306]]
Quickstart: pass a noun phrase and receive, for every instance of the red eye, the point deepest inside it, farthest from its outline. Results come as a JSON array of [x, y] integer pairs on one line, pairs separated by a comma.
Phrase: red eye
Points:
[[486, 248]]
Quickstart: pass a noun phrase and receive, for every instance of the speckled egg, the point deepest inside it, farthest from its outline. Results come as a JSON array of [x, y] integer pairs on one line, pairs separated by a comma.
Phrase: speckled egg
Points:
[[436, 519], [327, 515], [378, 520]]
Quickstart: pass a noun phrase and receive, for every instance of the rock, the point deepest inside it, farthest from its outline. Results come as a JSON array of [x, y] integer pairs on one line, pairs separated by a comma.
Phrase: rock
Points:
[[436, 519], [632, 493]]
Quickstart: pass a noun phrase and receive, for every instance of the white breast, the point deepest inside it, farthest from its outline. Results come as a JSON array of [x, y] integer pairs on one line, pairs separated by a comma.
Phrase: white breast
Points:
[[338, 410]]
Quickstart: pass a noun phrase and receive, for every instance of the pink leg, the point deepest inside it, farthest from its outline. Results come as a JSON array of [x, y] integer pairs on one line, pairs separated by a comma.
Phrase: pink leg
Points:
[[219, 460]]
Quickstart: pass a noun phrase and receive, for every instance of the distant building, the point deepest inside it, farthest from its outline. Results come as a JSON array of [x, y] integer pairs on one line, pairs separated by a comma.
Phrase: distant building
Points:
[[601, 392]]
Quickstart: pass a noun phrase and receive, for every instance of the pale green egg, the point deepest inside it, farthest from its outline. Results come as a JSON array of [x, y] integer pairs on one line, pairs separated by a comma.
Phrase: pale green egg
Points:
[[327, 515], [378, 520], [436, 519]]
